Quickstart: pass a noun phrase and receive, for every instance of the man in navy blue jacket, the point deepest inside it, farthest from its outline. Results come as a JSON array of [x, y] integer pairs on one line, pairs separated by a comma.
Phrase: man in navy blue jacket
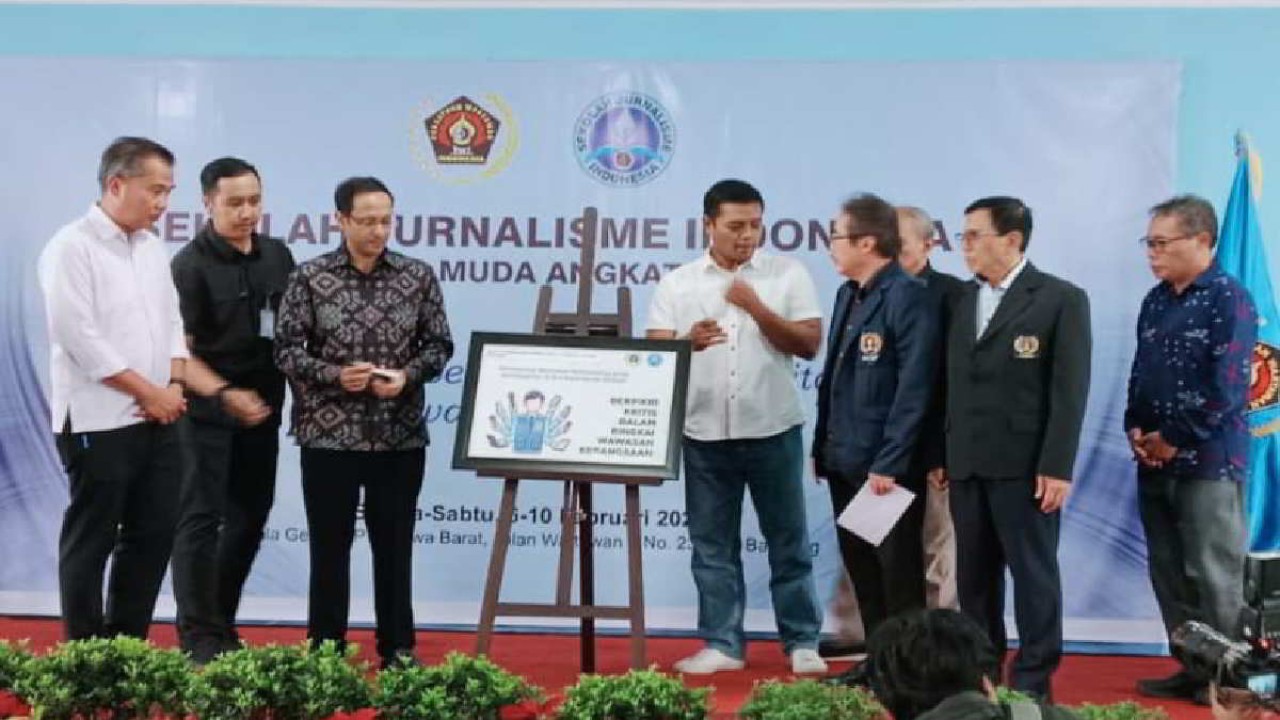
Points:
[[875, 390]]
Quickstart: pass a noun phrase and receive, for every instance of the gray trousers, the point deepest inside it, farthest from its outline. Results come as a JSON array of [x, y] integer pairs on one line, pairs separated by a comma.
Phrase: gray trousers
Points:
[[1195, 549]]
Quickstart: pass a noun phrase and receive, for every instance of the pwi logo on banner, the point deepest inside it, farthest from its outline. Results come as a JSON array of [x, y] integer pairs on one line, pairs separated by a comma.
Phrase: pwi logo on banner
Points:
[[624, 139], [463, 141]]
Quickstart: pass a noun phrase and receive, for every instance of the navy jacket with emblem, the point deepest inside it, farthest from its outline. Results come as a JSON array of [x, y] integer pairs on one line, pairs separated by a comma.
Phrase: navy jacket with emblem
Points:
[[877, 377], [1016, 396]]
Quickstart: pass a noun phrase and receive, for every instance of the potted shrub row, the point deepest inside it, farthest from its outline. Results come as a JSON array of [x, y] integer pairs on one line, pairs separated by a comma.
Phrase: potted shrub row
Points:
[[129, 679]]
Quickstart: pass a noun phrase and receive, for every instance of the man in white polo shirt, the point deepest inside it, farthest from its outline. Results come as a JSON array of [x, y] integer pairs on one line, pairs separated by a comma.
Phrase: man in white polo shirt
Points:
[[117, 357], [747, 314]]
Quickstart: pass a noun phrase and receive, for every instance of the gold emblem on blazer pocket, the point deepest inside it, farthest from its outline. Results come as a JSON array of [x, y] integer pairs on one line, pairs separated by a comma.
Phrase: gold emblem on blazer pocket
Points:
[[1026, 347], [870, 345]]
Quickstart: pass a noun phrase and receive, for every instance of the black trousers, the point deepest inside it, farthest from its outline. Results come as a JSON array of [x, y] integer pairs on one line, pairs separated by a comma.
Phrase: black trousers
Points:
[[888, 579], [228, 487], [999, 524], [332, 481], [124, 501]]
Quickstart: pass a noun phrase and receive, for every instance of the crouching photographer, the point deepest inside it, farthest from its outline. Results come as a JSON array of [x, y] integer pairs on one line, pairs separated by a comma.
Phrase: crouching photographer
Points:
[[938, 665], [1242, 676]]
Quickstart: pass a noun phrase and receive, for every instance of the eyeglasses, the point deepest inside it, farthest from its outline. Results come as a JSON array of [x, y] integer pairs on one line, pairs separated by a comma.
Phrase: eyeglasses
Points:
[[969, 236], [853, 236], [369, 223], [1159, 244]]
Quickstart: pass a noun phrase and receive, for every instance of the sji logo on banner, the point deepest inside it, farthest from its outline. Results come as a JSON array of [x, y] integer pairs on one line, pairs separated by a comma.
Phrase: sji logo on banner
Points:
[[464, 141], [624, 139]]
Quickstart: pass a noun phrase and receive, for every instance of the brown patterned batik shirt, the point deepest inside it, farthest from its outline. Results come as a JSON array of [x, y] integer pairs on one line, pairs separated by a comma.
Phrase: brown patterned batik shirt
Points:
[[333, 315]]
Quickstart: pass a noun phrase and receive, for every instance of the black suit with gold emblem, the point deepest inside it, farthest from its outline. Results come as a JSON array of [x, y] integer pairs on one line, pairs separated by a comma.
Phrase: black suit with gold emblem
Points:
[[1015, 404]]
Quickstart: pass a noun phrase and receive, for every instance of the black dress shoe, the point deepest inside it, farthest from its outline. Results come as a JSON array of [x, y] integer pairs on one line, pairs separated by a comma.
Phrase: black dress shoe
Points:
[[1179, 686], [840, 650], [400, 659], [203, 650], [856, 676], [231, 642]]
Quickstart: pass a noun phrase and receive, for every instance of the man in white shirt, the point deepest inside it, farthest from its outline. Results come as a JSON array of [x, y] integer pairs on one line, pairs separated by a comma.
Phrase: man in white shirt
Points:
[[746, 314], [116, 367]]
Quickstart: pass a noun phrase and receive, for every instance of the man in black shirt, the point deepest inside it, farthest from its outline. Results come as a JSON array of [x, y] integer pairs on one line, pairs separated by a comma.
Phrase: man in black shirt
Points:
[[230, 280]]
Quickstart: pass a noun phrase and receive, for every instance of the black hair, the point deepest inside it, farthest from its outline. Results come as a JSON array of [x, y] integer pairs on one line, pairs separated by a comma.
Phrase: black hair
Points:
[[729, 191], [125, 155], [344, 196], [224, 167], [873, 216], [921, 658], [1007, 215]]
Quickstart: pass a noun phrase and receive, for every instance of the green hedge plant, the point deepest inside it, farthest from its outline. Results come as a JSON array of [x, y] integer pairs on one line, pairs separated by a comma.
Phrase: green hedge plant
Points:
[[280, 682], [107, 679], [1127, 710], [460, 688], [809, 700], [14, 660], [638, 695], [1006, 694]]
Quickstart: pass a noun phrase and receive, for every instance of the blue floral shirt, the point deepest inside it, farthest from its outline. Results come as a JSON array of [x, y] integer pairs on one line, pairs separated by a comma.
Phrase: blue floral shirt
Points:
[[1190, 376]]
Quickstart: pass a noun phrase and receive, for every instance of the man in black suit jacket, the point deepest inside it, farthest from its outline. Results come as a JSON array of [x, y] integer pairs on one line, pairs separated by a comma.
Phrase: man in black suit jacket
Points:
[[871, 399], [917, 230], [1018, 357]]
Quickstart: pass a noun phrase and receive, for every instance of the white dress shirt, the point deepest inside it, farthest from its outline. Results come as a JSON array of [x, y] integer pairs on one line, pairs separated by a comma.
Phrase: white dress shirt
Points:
[[744, 387], [989, 296], [111, 306]]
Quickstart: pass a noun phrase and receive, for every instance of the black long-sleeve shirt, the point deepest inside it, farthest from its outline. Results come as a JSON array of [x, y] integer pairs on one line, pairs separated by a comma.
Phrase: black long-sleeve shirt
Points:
[[223, 293]]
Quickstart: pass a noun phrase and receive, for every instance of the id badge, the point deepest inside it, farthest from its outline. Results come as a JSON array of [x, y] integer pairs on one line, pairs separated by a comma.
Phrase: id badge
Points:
[[267, 323]]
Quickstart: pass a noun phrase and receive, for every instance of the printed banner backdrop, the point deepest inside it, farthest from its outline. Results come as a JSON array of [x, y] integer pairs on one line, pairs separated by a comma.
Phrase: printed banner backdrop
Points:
[[492, 165]]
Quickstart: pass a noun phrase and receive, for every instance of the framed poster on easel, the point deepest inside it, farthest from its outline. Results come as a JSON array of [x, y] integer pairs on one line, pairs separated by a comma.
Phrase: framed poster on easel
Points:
[[580, 402], [558, 407]]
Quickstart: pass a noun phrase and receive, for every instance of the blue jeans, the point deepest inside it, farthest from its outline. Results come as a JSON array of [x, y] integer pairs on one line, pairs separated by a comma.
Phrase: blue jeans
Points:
[[716, 473]]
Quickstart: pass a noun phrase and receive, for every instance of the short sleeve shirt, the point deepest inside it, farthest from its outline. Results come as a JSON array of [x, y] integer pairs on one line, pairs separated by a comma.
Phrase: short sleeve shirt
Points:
[[745, 387]]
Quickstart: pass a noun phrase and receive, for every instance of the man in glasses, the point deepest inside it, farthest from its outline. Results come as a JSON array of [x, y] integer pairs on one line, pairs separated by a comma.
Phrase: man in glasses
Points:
[[1018, 354], [1188, 391], [916, 230], [362, 329], [873, 397]]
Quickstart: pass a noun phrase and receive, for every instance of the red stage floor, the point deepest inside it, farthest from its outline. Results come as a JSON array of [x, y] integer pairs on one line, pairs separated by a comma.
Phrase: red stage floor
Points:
[[551, 661]]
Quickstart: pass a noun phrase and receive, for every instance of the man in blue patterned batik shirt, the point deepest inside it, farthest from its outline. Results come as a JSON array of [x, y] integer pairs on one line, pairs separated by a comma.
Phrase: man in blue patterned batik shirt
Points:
[[1185, 423]]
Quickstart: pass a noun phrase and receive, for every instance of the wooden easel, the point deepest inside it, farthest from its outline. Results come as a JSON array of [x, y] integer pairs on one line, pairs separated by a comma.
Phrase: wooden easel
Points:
[[576, 512]]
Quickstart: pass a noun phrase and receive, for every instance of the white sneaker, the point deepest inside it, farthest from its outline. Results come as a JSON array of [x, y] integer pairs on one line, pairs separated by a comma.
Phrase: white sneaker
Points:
[[707, 661], [806, 661]]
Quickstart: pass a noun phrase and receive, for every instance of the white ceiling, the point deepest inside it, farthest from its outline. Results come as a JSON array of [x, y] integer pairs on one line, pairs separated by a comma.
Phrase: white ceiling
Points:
[[687, 4]]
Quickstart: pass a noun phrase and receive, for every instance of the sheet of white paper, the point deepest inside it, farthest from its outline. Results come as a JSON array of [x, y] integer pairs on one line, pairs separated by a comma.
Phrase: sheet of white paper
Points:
[[871, 516]]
